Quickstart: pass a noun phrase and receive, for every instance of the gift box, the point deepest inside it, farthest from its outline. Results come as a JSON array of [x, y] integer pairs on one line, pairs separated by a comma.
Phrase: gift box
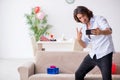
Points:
[[52, 70]]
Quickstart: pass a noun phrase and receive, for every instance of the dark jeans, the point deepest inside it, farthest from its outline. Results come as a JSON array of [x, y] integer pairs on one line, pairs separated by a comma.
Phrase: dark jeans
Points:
[[104, 64]]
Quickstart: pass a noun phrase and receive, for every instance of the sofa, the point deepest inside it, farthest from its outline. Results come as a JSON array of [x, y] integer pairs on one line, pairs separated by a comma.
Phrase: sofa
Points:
[[66, 61]]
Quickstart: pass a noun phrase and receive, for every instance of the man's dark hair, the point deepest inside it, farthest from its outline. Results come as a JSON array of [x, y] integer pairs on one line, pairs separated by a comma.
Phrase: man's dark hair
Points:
[[82, 10]]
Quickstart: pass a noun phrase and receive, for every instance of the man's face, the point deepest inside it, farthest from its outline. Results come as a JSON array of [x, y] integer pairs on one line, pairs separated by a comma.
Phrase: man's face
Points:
[[83, 18]]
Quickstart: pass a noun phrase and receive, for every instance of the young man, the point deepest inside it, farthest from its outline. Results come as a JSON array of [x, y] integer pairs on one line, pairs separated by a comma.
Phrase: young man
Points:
[[96, 30]]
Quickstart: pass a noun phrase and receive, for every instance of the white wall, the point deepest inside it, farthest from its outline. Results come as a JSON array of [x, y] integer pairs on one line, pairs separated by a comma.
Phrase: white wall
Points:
[[14, 35]]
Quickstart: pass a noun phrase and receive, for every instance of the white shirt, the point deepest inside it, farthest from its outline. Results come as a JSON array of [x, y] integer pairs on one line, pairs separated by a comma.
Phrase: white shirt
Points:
[[101, 44]]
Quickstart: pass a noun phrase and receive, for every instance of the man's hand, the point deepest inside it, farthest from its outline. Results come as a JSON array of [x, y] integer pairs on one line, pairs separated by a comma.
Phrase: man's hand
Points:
[[98, 31], [79, 38], [79, 34]]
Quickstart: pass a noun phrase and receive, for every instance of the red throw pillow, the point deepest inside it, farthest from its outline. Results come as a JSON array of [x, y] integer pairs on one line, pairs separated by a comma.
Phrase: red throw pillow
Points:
[[114, 68]]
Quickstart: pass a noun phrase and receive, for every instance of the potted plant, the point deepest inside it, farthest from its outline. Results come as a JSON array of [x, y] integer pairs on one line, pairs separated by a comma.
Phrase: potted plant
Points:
[[37, 20]]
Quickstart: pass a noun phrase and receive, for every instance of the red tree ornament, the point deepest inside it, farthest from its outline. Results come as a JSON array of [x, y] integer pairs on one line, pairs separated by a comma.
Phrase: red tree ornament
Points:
[[37, 9], [114, 69], [51, 36]]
